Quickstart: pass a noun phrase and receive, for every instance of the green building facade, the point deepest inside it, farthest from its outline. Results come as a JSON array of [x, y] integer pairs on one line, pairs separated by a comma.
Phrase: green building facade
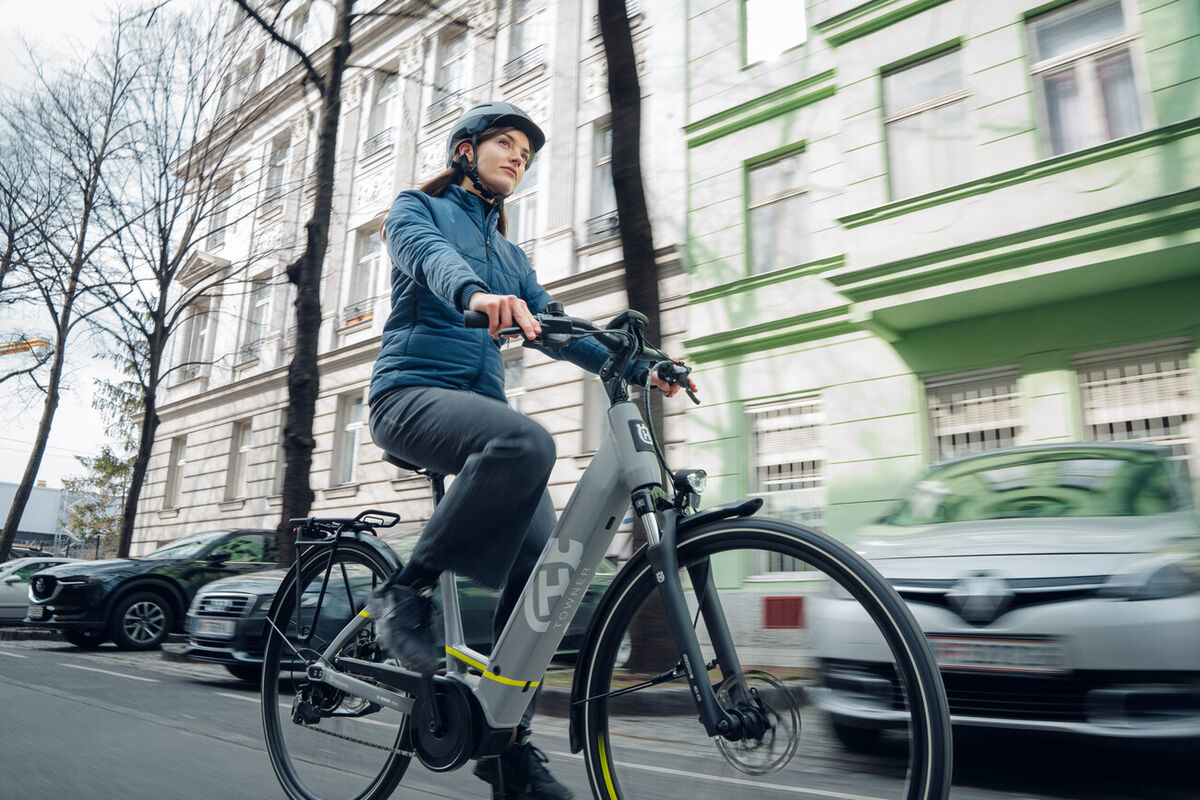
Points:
[[921, 228]]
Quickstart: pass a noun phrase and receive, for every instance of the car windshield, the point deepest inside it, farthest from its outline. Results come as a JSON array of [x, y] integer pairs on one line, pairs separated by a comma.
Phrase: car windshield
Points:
[[1046, 484], [190, 547]]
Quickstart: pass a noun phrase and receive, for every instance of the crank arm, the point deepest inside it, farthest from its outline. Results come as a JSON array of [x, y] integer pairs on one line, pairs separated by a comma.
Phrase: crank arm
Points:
[[318, 673]]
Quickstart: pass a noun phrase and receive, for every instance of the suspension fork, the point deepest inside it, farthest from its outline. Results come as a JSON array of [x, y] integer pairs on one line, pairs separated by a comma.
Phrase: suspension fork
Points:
[[660, 549]]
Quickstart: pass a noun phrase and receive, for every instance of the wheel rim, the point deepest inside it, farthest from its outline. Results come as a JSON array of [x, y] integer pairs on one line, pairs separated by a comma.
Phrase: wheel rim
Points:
[[343, 757], [145, 622], [616, 728]]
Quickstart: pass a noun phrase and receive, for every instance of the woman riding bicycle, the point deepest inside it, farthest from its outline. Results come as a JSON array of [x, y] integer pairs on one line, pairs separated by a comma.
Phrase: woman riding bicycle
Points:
[[437, 397]]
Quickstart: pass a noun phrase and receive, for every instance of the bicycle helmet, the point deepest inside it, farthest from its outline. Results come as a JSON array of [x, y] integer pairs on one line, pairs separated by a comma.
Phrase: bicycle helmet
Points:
[[477, 120]]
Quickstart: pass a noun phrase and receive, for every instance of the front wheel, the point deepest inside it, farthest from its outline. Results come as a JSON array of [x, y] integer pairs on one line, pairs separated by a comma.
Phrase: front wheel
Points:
[[325, 744], [779, 588]]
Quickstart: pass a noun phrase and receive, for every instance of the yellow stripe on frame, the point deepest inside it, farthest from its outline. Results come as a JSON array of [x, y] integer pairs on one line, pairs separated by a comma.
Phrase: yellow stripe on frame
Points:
[[364, 613], [466, 659], [612, 792]]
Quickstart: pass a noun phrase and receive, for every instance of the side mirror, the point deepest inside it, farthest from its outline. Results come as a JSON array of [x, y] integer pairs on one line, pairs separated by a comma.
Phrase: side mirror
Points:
[[11, 579], [219, 556]]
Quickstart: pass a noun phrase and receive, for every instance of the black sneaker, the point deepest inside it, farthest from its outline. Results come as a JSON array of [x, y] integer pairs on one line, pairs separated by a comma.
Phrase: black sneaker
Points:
[[404, 626], [525, 777]]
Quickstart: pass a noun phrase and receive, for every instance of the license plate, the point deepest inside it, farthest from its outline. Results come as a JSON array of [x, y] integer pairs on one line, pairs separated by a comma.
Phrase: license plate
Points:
[[36, 612], [999, 655], [219, 628]]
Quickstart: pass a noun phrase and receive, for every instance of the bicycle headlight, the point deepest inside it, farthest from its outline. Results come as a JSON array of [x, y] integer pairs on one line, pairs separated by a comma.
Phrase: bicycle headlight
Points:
[[689, 485]]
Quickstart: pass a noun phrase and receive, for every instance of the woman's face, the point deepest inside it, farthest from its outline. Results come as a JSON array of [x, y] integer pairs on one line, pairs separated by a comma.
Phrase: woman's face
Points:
[[502, 161]]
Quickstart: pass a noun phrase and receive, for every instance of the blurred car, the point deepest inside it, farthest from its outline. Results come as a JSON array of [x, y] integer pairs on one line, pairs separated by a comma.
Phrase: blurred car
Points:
[[19, 551], [137, 602], [226, 623], [14, 584], [1058, 586]]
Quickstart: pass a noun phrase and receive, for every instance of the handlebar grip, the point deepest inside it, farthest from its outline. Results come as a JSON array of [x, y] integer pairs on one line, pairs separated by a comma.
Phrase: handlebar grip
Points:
[[475, 319]]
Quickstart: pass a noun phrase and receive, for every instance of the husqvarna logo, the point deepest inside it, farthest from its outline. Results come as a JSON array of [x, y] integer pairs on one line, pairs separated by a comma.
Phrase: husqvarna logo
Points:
[[641, 435], [551, 583]]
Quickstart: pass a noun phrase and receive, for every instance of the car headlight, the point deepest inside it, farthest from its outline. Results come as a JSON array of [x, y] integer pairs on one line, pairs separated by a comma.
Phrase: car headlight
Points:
[[1158, 579], [265, 605]]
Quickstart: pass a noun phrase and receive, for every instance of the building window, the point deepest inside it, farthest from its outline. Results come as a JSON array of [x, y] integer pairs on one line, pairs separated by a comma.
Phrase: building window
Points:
[[521, 210], [277, 154], [771, 28], [603, 222], [293, 31], [381, 120], [450, 79], [280, 454], [514, 379], [1140, 394], [973, 412], [1083, 70], [194, 341], [218, 220], [241, 84], [595, 407], [526, 44], [787, 463], [175, 470], [258, 305], [364, 276], [347, 438], [925, 111], [777, 208], [239, 455]]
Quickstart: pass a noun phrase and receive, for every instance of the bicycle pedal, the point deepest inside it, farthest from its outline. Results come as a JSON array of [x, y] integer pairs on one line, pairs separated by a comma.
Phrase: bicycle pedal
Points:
[[303, 713]]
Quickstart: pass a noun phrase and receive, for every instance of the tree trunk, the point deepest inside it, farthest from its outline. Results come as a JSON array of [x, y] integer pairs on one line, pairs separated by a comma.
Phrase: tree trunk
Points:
[[49, 407], [651, 641], [303, 380], [141, 461]]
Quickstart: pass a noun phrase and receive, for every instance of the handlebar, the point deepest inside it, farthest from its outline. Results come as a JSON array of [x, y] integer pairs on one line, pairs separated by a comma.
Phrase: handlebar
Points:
[[622, 337]]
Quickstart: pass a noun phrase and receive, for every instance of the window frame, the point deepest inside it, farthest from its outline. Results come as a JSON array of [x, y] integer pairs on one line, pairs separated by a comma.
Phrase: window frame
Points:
[[1128, 41], [256, 320], [275, 172], [362, 290], [965, 381], [194, 344], [177, 462], [802, 191], [748, 60], [381, 123], [347, 439], [602, 222], [241, 442]]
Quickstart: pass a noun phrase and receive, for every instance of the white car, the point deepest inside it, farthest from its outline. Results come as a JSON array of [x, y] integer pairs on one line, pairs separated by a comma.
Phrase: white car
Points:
[[14, 584], [1059, 588]]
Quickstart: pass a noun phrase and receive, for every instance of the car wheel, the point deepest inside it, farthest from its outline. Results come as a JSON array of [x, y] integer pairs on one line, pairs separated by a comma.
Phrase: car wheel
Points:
[[245, 672], [856, 738], [141, 621], [86, 639]]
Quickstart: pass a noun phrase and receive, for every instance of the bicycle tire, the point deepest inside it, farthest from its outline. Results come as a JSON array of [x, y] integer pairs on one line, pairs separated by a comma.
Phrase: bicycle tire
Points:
[[338, 757], [619, 730]]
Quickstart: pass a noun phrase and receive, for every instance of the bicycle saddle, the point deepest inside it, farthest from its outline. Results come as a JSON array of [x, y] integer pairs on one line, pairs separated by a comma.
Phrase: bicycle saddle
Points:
[[402, 464]]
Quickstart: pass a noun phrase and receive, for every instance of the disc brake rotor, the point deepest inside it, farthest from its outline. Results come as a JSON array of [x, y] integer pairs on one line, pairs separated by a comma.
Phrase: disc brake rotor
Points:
[[775, 748]]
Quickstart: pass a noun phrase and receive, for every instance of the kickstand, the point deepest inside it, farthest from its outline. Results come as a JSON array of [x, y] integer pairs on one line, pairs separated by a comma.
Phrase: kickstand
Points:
[[498, 786]]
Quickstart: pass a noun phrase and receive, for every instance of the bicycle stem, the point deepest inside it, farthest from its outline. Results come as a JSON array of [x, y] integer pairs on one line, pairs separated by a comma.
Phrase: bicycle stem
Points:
[[660, 549]]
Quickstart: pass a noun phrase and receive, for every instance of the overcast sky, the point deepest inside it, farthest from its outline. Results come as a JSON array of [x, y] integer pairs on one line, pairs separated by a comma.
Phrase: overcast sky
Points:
[[55, 29]]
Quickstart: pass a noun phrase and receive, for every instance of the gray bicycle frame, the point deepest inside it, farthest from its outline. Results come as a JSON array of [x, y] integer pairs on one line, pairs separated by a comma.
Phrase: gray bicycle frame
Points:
[[624, 463]]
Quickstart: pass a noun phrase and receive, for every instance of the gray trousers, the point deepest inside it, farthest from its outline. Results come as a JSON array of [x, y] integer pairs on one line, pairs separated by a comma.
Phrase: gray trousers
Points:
[[497, 515]]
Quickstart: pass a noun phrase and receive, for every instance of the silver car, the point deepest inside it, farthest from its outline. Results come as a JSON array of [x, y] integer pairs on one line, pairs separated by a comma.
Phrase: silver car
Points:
[[14, 584], [1058, 585]]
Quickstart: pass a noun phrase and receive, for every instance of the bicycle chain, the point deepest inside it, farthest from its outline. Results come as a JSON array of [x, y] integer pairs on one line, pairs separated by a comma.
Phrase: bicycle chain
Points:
[[397, 750]]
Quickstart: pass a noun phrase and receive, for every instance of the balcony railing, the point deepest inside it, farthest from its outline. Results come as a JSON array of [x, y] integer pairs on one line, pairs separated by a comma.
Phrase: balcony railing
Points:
[[602, 227], [525, 62], [380, 141], [359, 311], [445, 104]]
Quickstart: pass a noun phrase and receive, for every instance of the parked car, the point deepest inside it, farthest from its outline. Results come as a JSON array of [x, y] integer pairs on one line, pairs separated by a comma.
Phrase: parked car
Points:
[[14, 584], [19, 551], [1058, 585], [137, 602], [226, 623]]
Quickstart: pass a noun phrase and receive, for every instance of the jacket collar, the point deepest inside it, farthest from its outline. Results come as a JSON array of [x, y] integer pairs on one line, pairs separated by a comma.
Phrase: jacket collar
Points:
[[485, 214]]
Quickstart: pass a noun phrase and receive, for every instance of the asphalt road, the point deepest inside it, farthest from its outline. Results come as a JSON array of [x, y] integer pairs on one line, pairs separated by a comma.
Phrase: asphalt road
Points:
[[107, 725]]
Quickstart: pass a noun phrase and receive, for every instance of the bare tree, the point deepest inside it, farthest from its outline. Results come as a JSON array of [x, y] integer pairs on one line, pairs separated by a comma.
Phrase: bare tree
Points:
[[649, 631], [76, 125], [324, 72], [178, 195]]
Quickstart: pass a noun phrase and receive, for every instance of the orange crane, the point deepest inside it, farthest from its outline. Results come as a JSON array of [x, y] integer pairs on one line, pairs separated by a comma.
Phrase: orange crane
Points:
[[21, 345]]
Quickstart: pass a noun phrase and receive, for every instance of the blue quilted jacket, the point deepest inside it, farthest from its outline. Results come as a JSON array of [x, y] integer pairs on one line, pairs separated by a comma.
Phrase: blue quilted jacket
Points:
[[443, 250]]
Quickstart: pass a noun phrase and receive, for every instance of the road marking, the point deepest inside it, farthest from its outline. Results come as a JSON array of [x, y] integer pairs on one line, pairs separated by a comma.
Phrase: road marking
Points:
[[238, 696], [109, 672], [735, 781], [13, 655]]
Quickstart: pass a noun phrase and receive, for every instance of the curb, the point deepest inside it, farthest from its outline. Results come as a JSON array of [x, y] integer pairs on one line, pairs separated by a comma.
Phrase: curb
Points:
[[30, 634]]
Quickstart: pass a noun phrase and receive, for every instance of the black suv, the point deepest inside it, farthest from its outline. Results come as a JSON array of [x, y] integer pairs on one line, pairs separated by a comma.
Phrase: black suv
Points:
[[138, 601]]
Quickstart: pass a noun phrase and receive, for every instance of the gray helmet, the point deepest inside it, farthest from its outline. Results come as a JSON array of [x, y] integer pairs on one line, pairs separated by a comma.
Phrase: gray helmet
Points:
[[491, 115]]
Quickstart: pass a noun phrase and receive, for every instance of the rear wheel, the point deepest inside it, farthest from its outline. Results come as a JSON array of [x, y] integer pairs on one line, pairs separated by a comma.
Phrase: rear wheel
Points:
[[780, 641], [141, 621], [324, 743]]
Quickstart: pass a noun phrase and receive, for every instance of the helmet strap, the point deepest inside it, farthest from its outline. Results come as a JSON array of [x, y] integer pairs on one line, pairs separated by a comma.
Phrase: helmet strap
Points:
[[469, 169]]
